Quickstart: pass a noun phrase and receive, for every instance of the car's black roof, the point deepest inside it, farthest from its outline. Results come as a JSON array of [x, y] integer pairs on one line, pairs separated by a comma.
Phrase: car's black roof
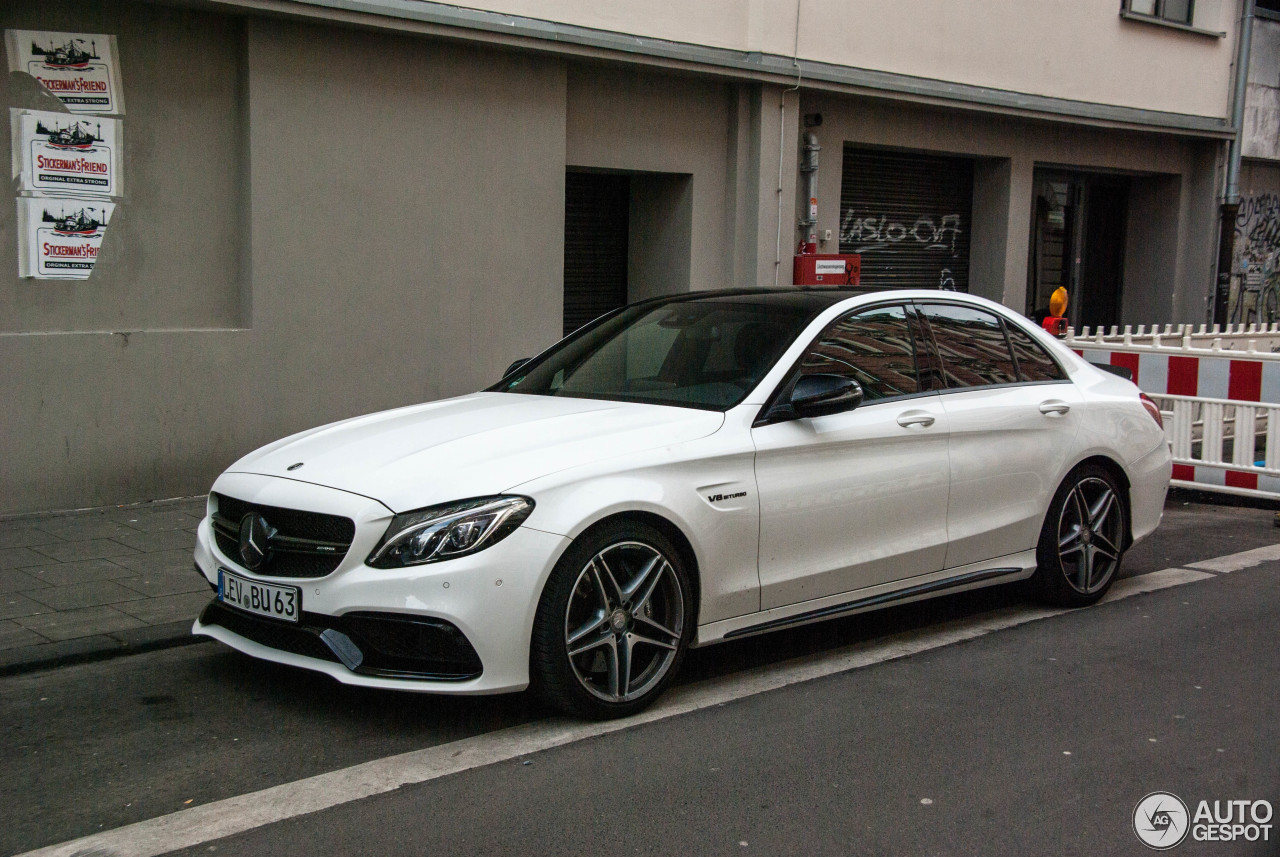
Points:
[[802, 298]]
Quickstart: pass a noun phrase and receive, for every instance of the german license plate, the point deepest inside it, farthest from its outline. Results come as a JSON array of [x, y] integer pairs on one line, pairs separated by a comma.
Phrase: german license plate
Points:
[[265, 599]]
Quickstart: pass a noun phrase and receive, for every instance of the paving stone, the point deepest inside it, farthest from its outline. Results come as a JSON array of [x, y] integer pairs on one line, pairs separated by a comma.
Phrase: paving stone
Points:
[[131, 515], [171, 560], [14, 580], [84, 529], [159, 583], [170, 608], [15, 535], [14, 605], [84, 595], [93, 549], [69, 573], [20, 558], [161, 540], [151, 522], [70, 624], [13, 636]]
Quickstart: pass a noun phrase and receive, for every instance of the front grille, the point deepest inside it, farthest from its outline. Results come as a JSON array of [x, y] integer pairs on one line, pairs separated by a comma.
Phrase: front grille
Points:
[[392, 645], [305, 544]]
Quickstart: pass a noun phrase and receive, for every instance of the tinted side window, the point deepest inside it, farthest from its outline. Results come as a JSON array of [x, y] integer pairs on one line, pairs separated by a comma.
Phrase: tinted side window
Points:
[[1034, 363], [972, 346], [873, 347]]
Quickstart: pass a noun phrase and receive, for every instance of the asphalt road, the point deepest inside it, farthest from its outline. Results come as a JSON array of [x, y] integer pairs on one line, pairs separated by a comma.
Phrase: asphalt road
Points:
[[838, 765]]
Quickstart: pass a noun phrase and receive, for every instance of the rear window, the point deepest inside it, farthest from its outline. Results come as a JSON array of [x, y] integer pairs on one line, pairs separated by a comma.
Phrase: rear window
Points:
[[1034, 363], [972, 346]]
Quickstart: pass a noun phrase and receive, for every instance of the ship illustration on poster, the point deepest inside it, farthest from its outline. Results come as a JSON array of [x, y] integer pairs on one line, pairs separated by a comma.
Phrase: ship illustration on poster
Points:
[[81, 222], [69, 55], [76, 136], [61, 240], [64, 155], [82, 70]]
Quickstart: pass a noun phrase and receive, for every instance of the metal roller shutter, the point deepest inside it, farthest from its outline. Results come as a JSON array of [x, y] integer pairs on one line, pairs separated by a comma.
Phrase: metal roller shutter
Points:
[[596, 213], [909, 216]]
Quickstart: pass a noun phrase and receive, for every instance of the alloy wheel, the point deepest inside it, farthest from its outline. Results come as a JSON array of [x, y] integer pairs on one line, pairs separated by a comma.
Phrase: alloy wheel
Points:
[[1090, 530], [624, 621]]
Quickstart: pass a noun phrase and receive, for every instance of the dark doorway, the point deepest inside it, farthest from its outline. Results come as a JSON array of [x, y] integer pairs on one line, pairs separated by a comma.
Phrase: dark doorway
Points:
[[1078, 223], [596, 226]]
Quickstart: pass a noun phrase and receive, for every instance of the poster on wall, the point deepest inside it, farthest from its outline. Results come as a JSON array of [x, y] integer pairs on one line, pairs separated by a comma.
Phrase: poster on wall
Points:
[[80, 69], [60, 237], [62, 153]]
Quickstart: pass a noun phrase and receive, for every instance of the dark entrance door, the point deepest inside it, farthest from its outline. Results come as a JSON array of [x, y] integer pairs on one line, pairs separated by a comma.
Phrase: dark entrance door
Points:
[[1078, 223], [596, 225]]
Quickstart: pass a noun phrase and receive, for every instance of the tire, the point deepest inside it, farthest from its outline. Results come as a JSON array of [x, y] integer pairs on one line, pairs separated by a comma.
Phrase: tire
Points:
[[1077, 564], [613, 624]]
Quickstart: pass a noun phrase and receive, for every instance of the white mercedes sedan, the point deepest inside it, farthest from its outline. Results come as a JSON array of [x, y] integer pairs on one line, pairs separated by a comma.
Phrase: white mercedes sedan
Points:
[[680, 472]]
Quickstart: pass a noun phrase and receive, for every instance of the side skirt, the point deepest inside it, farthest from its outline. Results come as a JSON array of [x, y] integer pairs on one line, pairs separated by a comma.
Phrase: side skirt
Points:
[[1015, 567]]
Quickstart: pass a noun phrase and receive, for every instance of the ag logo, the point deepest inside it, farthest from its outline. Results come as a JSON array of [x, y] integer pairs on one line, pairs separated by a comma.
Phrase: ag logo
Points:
[[1160, 820]]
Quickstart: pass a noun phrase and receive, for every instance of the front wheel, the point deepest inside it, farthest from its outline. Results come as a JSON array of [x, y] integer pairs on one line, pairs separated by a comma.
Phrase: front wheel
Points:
[[1082, 540], [613, 623]]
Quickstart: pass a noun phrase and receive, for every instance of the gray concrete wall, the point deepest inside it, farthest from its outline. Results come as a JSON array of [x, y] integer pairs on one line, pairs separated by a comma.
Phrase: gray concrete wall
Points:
[[399, 248], [620, 119], [988, 248], [660, 239], [171, 258], [1261, 132], [1151, 250]]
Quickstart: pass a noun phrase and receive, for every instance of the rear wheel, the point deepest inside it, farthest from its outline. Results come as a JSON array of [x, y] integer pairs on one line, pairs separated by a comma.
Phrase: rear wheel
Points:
[[1082, 542], [613, 623]]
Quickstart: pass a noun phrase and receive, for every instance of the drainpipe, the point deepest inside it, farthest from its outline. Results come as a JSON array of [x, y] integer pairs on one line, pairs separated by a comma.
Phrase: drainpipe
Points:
[[809, 167], [1231, 199]]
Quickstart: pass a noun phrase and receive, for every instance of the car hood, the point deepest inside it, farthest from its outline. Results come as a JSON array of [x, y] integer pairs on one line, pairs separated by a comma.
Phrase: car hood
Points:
[[471, 446]]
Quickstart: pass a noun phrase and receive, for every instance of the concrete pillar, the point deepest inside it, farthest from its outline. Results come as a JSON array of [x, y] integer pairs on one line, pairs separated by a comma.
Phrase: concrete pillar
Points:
[[1018, 232], [988, 244], [772, 160]]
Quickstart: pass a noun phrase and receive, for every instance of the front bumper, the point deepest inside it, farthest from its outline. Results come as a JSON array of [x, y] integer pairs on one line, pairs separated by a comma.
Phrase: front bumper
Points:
[[461, 626]]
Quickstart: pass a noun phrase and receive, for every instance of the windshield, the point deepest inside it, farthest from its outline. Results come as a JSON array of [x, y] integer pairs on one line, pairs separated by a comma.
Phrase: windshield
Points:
[[698, 354]]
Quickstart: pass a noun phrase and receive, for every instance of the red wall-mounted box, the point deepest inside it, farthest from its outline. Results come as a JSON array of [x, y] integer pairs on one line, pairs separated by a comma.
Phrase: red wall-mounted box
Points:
[[827, 269]]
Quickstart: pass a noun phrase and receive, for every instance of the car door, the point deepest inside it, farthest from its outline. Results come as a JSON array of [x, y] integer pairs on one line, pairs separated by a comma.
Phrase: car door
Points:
[[1013, 416], [857, 498]]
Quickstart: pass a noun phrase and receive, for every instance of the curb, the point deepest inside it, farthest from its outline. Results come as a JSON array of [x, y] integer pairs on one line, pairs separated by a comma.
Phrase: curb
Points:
[[99, 647]]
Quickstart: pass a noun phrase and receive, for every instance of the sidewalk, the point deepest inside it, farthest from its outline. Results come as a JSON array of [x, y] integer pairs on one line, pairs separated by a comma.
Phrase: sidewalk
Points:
[[92, 583]]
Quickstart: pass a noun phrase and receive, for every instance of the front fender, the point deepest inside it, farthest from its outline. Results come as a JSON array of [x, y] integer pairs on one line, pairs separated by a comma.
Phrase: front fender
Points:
[[706, 491]]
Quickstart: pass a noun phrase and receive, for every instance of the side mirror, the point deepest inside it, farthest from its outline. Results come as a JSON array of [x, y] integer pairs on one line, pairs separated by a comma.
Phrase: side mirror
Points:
[[820, 395], [515, 367]]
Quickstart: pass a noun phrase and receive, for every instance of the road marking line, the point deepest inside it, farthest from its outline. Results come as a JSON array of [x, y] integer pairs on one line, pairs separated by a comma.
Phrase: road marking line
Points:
[[228, 817], [1238, 561]]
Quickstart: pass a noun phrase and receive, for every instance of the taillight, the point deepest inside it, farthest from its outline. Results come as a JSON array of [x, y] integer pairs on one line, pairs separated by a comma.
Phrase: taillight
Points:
[[1152, 408]]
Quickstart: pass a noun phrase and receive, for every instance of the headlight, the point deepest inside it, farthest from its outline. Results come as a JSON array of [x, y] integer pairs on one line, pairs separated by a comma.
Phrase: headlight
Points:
[[444, 532]]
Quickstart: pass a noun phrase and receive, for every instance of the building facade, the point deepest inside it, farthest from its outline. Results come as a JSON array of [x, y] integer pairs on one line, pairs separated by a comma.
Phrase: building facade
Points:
[[335, 207], [1255, 277]]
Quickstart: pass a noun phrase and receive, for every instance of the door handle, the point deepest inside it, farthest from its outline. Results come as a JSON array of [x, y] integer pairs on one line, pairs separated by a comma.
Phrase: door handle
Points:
[[1054, 408], [916, 418]]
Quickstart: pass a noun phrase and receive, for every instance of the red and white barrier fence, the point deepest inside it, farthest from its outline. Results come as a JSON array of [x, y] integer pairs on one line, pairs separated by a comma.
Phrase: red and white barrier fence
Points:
[[1221, 408], [1228, 337], [1225, 457]]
